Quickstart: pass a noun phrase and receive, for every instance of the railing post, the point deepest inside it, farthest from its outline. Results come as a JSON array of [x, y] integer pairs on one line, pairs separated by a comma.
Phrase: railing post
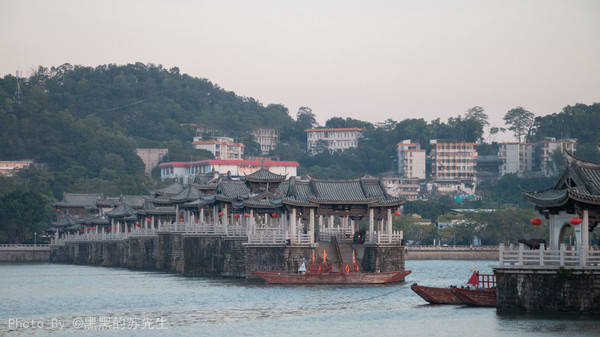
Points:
[[542, 250], [562, 254], [521, 262], [501, 254]]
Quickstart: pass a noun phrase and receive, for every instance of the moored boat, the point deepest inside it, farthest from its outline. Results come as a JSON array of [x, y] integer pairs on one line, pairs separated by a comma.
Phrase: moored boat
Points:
[[435, 295], [478, 297], [482, 293], [283, 277]]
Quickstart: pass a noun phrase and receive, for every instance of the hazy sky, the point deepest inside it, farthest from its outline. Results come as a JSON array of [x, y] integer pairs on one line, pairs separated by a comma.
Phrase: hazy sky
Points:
[[370, 60]]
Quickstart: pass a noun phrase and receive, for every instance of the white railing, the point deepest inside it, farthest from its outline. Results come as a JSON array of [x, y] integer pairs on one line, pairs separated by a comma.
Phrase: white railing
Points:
[[520, 256], [267, 236], [342, 234], [205, 229], [22, 246], [384, 238]]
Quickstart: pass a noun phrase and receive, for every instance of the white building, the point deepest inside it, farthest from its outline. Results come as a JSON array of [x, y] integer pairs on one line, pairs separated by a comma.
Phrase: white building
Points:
[[411, 160], [220, 147], [8, 168], [405, 188], [267, 138], [332, 139], [453, 161], [551, 145], [516, 158], [184, 170]]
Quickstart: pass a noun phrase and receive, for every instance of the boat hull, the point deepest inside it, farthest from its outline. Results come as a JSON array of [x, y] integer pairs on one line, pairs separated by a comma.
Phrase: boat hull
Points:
[[435, 295], [481, 297], [282, 277]]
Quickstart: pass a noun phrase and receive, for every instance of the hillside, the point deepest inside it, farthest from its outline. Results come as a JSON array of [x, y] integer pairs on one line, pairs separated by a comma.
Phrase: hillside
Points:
[[84, 123]]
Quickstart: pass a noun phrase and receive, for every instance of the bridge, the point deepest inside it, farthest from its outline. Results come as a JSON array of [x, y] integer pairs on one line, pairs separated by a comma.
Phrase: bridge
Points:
[[24, 253]]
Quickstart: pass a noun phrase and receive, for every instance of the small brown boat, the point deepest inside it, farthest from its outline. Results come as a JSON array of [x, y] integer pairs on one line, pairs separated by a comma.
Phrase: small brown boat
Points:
[[479, 297], [435, 295], [484, 293]]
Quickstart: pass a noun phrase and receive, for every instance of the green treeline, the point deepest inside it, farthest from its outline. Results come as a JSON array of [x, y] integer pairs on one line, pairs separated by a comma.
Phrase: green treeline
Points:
[[81, 126]]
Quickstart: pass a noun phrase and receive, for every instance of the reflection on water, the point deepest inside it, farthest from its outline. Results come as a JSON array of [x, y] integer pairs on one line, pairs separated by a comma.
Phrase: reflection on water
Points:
[[130, 303]]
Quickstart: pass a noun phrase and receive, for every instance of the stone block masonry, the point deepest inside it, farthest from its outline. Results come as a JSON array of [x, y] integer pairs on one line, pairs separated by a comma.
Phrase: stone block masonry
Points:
[[548, 289], [20, 253]]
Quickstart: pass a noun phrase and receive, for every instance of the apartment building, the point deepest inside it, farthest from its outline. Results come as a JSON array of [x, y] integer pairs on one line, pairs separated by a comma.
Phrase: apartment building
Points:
[[221, 147], [516, 158], [267, 138], [453, 161], [550, 145], [333, 139], [411, 160]]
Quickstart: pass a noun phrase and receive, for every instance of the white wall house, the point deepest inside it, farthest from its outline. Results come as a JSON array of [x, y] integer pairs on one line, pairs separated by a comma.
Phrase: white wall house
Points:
[[183, 170], [411, 160], [549, 146], [333, 138], [516, 158], [267, 139], [220, 147]]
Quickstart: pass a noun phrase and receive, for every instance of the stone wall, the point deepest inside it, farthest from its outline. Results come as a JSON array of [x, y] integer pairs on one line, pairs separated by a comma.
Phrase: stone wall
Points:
[[213, 256], [264, 258], [22, 255], [383, 258], [451, 253], [133, 253], [564, 290]]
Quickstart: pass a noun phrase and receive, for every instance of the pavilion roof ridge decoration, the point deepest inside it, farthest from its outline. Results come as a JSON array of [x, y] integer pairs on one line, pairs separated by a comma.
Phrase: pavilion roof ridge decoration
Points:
[[264, 175], [580, 182]]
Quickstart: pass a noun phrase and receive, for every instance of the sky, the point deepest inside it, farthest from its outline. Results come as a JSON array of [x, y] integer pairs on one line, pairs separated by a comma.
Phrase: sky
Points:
[[370, 60]]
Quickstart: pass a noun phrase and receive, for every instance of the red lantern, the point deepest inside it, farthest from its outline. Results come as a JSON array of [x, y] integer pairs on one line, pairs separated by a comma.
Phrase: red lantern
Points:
[[198, 220], [54, 230], [536, 221], [58, 210], [138, 225], [397, 213], [575, 221], [237, 216], [246, 215], [94, 228], [51, 235], [81, 229], [275, 215], [221, 213], [89, 228], [148, 220]]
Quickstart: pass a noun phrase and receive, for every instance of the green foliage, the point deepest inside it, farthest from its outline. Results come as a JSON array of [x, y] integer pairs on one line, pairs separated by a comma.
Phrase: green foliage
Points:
[[505, 225], [579, 121], [21, 214], [519, 121]]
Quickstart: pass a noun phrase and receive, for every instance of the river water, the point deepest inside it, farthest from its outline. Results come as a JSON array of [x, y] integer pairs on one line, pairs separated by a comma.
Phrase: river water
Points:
[[67, 300]]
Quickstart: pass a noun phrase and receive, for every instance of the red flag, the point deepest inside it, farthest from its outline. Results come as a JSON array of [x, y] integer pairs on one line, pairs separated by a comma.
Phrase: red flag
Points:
[[313, 256], [353, 257], [474, 279], [324, 256]]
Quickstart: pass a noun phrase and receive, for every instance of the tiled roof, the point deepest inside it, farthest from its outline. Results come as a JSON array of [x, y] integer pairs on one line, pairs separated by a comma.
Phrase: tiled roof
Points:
[[189, 193], [264, 200], [172, 189], [231, 189], [134, 201], [580, 181], [264, 175], [78, 200], [122, 211]]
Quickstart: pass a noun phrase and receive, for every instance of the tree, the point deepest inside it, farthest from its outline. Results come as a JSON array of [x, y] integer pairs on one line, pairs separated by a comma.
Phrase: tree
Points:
[[519, 121], [21, 214], [478, 114]]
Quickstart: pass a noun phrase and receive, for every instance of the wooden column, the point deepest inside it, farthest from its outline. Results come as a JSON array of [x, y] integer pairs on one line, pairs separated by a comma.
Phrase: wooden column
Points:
[[371, 225], [389, 224], [311, 226], [293, 226], [202, 215], [330, 225]]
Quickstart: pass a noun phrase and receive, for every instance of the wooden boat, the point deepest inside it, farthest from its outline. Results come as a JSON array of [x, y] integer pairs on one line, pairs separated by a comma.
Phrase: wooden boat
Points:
[[435, 295], [283, 277], [484, 293], [478, 297]]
